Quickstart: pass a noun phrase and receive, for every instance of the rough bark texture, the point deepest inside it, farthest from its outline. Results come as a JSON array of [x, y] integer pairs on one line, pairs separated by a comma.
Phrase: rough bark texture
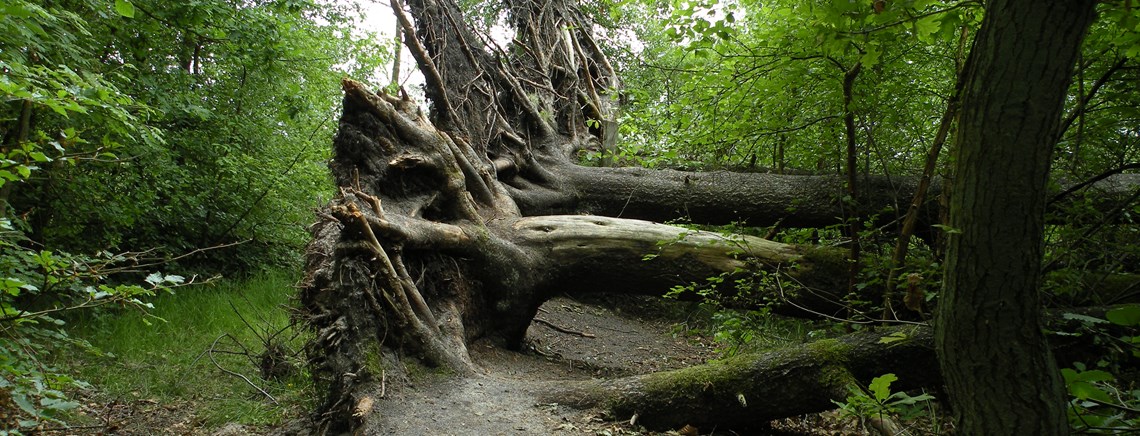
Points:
[[798, 379], [994, 356], [747, 391]]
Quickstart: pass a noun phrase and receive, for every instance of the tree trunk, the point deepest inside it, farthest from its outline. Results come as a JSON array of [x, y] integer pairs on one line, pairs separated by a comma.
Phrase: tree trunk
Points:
[[747, 391], [997, 365]]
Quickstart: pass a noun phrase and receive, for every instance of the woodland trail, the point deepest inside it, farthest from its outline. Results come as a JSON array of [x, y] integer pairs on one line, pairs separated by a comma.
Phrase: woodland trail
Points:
[[603, 336]]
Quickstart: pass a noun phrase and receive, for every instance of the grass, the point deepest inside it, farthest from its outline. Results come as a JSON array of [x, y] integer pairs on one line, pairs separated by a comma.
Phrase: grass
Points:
[[166, 359]]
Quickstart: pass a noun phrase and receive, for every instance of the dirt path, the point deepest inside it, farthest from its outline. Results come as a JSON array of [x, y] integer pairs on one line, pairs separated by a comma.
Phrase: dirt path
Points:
[[570, 340], [604, 336]]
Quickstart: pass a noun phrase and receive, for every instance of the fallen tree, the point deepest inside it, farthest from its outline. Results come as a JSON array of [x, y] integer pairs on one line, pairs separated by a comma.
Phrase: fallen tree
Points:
[[457, 227], [749, 390]]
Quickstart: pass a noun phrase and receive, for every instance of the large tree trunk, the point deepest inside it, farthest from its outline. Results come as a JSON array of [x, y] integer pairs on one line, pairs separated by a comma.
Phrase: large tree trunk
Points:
[[429, 245], [426, 250], [994, 357]]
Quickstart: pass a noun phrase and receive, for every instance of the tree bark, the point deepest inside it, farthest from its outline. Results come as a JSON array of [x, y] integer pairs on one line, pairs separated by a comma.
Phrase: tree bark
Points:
[[795, 380], [994, 357], [747, 391]]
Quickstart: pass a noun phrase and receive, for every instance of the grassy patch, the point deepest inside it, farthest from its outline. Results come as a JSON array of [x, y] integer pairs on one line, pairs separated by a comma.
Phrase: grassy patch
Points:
[[190, 356]]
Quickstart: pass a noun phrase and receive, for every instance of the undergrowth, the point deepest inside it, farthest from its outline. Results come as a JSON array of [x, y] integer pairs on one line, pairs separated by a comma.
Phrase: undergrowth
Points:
[[204, 341]]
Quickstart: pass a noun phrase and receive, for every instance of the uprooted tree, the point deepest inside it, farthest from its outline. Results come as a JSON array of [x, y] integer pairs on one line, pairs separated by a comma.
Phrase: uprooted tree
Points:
[[457, 225]]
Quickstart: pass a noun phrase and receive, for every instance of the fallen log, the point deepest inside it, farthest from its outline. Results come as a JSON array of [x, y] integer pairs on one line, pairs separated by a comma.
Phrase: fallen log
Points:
[[747, 391]]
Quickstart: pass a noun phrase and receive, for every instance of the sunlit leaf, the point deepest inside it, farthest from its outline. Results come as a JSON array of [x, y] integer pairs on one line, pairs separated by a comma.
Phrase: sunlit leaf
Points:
[[880, 386], [125, 8]]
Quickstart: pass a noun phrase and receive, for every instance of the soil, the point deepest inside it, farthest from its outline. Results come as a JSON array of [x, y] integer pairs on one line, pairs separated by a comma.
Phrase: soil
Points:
[[570, 339]]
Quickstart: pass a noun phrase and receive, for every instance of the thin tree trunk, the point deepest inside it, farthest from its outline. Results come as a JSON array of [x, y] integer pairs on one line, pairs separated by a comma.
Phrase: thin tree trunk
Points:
[[910, 221], [395, 82], [854, 218], [22, 131]]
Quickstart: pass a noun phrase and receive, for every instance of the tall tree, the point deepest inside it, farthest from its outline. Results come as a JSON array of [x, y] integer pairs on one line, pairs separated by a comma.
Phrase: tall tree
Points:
[[998, 369]]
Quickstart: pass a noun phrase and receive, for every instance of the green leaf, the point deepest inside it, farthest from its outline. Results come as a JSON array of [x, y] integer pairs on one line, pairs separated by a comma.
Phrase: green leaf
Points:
[[924, 28], [908, 400], [58, 404], [1126, 316], [154, 278], [125, 8], [881, 386], [24, 404], [893, 337], [871, 57], [1096, 375], [1083, 318], [1088, 391], [947, 229]]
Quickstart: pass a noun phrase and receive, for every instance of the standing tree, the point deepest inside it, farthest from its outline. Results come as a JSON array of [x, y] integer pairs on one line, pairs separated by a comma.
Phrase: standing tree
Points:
[[999, 371]]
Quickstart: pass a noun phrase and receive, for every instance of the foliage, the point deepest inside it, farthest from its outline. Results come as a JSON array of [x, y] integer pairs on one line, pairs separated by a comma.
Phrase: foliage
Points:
[[749, 85], [46, 82], [39, 288], [1099, 401], [232, 322], [878, 402], [136, 130], [39, 285], [216, 112]]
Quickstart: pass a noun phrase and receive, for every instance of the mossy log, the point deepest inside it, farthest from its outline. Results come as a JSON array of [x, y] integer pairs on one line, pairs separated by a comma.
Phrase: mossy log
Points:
[[749, 390]]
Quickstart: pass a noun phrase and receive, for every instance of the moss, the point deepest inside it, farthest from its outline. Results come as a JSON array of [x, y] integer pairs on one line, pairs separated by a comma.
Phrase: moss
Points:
[[833, 356], [823, 268], [417, 371], [684, 383], [837, 379], [824, 259], [829, 350], [373, 358]]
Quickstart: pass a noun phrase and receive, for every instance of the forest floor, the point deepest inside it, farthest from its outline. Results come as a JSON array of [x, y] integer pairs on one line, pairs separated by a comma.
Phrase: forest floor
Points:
[[571, 339]]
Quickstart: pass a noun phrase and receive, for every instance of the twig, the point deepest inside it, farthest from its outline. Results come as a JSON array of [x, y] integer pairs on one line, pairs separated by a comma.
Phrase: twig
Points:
[[780, 287], [562, 329], [1097, 178], [247, 380], [1114, 406], [383, 383], [69, 428]]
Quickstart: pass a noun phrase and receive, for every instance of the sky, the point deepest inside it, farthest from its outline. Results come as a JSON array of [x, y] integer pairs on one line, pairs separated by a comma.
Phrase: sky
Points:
[[378, 18]]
